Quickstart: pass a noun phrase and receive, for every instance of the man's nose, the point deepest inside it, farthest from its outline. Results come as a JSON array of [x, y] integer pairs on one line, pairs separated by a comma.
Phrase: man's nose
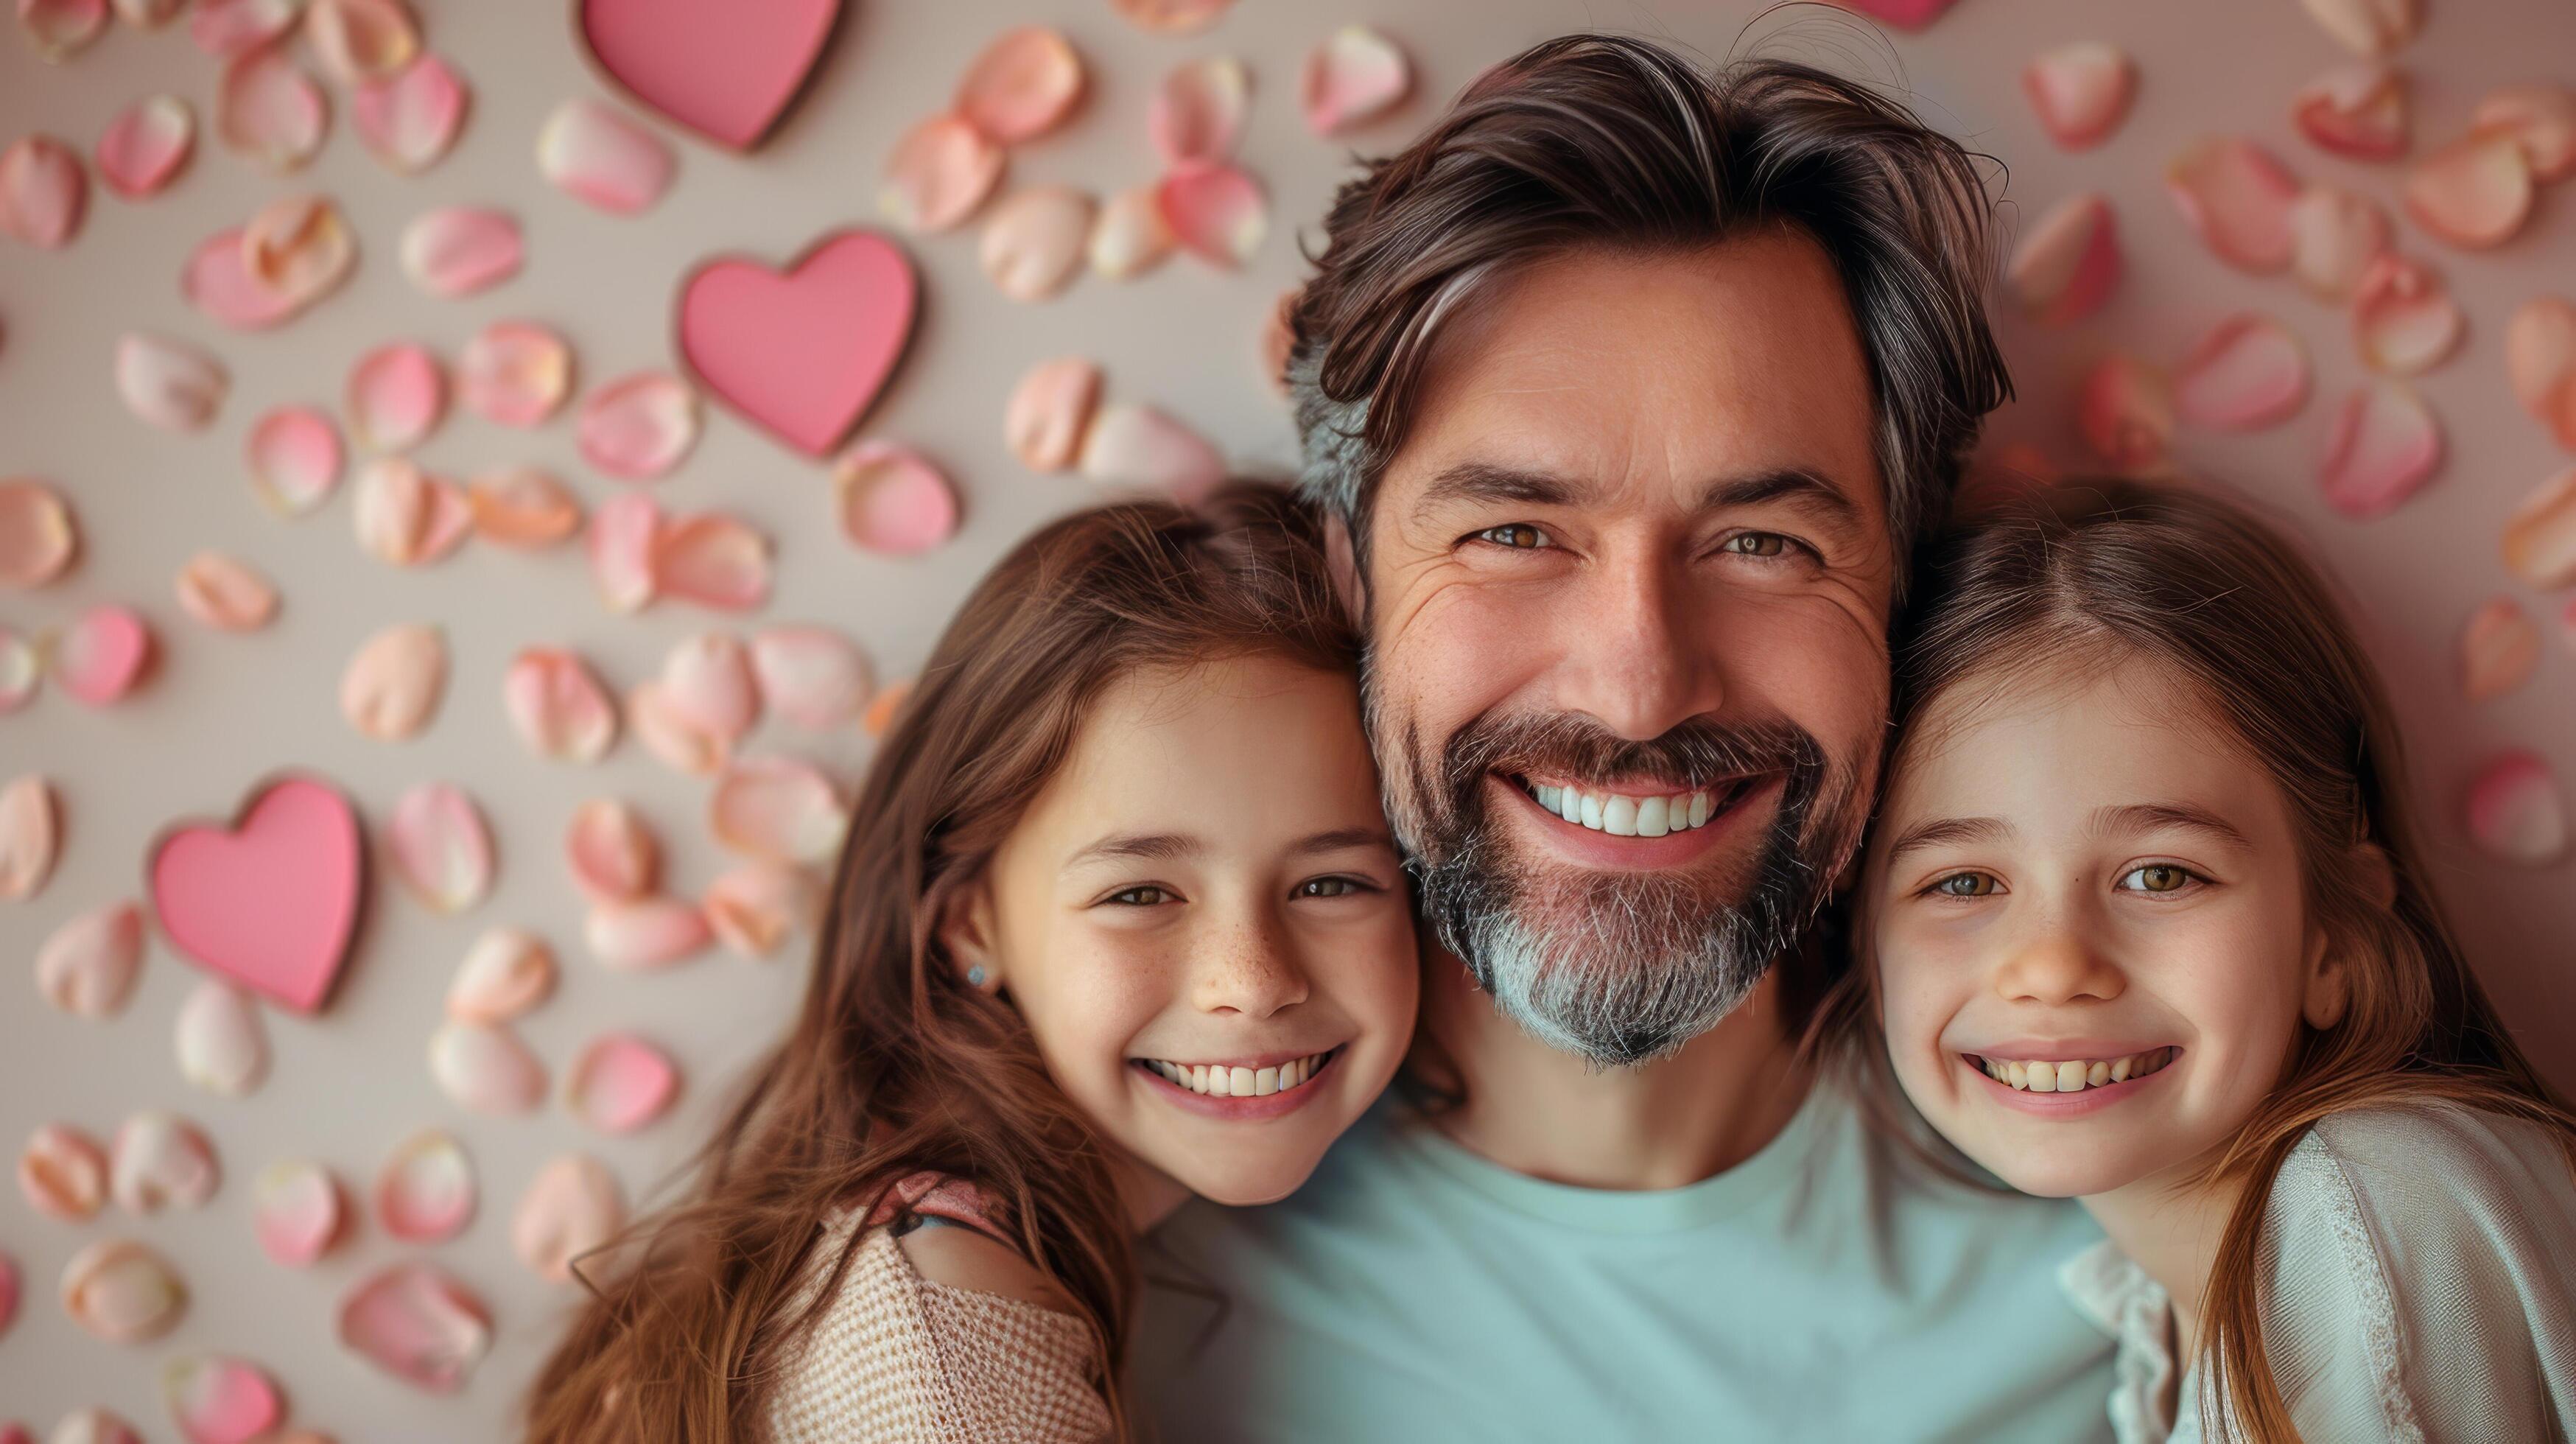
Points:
[[1246, 966], [1639, 660], [2057, 962]]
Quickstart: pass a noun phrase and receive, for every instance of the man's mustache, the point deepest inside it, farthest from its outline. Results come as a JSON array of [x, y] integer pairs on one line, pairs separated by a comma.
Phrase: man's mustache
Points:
[[1693, 754]]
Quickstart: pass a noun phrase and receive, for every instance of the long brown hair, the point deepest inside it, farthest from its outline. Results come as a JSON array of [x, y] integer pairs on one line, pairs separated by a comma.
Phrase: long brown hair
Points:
[[895, 1065], [2091, 571]]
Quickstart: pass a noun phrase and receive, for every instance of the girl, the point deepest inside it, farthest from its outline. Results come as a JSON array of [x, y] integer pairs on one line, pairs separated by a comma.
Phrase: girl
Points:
[[2150, 927], [1117, 920]]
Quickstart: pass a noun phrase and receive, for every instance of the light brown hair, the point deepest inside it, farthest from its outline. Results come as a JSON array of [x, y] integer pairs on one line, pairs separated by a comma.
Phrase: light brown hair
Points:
[[895, 1065]]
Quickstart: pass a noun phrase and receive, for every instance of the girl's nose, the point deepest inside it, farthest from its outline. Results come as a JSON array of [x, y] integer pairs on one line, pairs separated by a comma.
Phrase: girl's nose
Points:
[[1250, 969], [2058, 964]]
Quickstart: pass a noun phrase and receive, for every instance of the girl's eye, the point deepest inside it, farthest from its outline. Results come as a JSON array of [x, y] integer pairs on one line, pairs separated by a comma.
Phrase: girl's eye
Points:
[[1966, 884], [1331, 887], [1756, 544], [2158, 877], [1516, 536], [1146, 896]]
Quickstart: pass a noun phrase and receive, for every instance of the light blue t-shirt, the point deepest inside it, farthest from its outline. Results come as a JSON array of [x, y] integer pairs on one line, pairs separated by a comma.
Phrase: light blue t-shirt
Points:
[[1824, 1289]]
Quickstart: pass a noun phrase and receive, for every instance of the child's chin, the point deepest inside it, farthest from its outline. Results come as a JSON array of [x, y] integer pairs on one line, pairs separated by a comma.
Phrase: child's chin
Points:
[[1250, 1189], [2060, 1178]]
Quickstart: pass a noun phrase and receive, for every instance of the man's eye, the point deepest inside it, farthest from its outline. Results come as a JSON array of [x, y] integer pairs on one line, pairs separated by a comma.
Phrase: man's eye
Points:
[[1756, 544], [1519, 536], [1142, 897], [1965, 884], [2158, 877]]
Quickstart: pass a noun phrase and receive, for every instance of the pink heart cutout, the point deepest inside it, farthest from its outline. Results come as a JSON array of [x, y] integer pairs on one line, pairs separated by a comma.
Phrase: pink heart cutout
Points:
[[270, 903], [727, 69], [802, 354]]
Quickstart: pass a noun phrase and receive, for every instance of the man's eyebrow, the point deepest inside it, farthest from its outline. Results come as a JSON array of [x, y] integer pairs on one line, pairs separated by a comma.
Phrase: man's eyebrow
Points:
[[1484, 481], [1136, 847], [2156, 816], [1940, 831], [1797, 484]]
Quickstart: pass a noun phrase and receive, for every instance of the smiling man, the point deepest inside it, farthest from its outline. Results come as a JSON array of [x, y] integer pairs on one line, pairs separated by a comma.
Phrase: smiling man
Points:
[[1629, 389]]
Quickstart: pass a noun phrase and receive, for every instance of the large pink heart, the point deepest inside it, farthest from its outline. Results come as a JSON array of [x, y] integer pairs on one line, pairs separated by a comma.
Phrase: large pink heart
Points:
[[272, 902], [804, 353], [727, 69]]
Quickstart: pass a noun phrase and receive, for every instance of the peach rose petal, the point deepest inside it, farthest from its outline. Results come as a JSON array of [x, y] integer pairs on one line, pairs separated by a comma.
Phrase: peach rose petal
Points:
[[639, 426], [623, 532], [506, 973], [614, 855], [2126, 412], [409, 120], [28, 835], [2359, 111], [668, 733], [1022, 86], [1129, 236], [708, 682], [1216, 212], [458, 251], [645, 933], [558, 707], [523, 507], [1172, 17], [2335, 235], [713, 560], [938, 174], [103, 655], [756, 907], [392, 685], [87, 966], [21, 671], [2539, 362], [43, 192], [2541, 119], [226, 593], [620, 1083], [63, 1173], [359, 41], [885, 708], [219, 1400], [1198, 111], [294, 456], [2382, 445], [59, 29], [174, 387], [121, 1292], [441, 850], [218, 282], [298, 249], [406, 517], [227, 28], [2499, 649], [892, 502], [2247, 373], [425, 1192], [813, 677], [1129, 445], [2404, 321], [146, 146], [484, 1068], [594, 154], [2540, 536], [1353, 78], [92, 1426], [1034, 241], [37, 536], [160, 1161], [298, 1212], [269, 111], [573, 1207], [2475, 192], [1049, 411], [418, 1324], [2369, 27], [778, 810], [2237, 199], [396, 395], [2517, 811], [2080, 91], [516, 373], [221, 1046], [2068, 263]]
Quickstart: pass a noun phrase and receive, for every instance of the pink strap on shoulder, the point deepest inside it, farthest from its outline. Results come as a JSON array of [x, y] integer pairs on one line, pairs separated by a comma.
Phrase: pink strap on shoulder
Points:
[[939, 1195]]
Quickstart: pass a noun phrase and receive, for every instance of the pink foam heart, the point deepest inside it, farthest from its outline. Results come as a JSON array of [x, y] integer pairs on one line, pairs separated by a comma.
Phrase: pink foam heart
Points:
[[727, 69], [802, 354], [272, 901]]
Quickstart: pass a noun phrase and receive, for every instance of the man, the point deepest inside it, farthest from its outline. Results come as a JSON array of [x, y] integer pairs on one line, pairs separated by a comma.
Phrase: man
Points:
[[1628, 389]]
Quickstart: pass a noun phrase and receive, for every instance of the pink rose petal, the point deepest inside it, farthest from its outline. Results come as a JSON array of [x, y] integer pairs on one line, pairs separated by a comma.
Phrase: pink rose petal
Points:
[[2334, 236], [754, 908], [640, 934], [9, 1315], [410, 119], [87, 966], [1216, 212], [2068, 263], [417, 1324], [103, 655], [2126, 412], [624, 531], [515, 373], [2355, 110], [393, 684], [121, 1292], [2475, 192], [1034, 240], [1198, 112], [1049, 411], [713, 560], [523, 507], [2403, 319], [2517, 812], [220, 1400], [620, 1083], [37, 536], [43, 191], [441, 851], [406, 517], [484, 1068], [938, 174], [174, 387], [269, 111], [298, 1212], [226, 593], [614, 855], [1904, 14], [28, 835], [221, 1046], [425, 1192], [2370, 27], [359, 41], [2540, 536], [671, 736], [2541, 119], [2247, 373], [892, 502], [639, 426], [707, 682], [227, 28], [300, 249], [63, 1173], [2080, 91], [461, 250], [507, 972], [2237, 198], [146, 146], [217, 281], [558, 707], [1351, 79], [1138, 446], [2539, 362], [778, 810], [396, 395], [573, 1207], [2499, 649], [1129, 236], [1023, 85], [160, 1161], [59, 29], [1171, 17], [294, 457], [2382, 444], [596, 155]]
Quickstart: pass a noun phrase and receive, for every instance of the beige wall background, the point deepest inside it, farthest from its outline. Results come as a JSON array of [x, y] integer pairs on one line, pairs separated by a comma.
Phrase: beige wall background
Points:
[[224, 710]]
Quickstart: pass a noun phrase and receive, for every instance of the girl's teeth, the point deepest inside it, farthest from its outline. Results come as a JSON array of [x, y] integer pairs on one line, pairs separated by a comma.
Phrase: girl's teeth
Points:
[[2075, 1075], [1622, 815], [1219, 1080]]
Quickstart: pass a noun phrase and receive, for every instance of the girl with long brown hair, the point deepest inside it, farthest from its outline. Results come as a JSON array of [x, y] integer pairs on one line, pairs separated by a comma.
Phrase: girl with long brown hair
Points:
[[1117, 920], [2146, 923]]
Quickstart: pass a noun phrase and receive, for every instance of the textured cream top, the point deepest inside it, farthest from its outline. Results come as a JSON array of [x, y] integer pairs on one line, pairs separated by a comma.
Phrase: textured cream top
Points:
[[2420, 1284]]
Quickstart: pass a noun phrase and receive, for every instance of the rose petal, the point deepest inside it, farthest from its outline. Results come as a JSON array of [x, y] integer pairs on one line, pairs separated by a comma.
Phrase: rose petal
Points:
[[298, 249], [222, 1047], [1172, 17], [2539, 361], [174, 387], [2499, 650], [269, 111], [713, 560], [2540, 536], [597, 156], [1128, 237], [2237, 199], [441, 851], [639, 426], [2359, 111], [2541, 119], [1034, 240], [405, 517], [2403, 319], [623, 533], [1023, 85], [885, 707], [891, 501], [63, 1173], [2080, 91], [121, 1292], [226, 594], [392, 685], [2068, 264], [361, 40], [103, 655], [461, 250], [813, 677], [298, 1213], [2517, 812], [159, 1160], [87, 966], [484, 1068], [218, 282], [558, 707], [220, 1400], [418, 1325], [2126, 412], [573, 1207], [614, 855], [523, 507], [37, 537], [707, 682], [410, 119], [620, 1083], [91, 1426], [2474, 192], [643, 933], [396, 394], [43, 192], [671, 736], [226, 28], [938, 174], [146, 146], [294, 456], [2382, 444], [779, 810], [1198, 112], [755, 907], [514, 372], [149, 14], [2334, 237], [507, 972], [1352, 78], [2370, 27], [27, 835], [8, 1316], [1048, 412], [2247, 373], [21, 671], [425, 1192], [60, 28], [1137, 446], [1216, 212]]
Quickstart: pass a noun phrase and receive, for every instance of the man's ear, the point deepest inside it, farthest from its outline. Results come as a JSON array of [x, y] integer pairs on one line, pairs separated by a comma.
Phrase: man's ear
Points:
[[2330, 964], [967, 933], [1342, 563]]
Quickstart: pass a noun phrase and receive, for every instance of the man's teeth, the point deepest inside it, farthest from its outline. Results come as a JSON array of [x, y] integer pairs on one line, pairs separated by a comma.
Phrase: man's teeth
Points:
[[1623, 815], [1217, 1080], [2075, 1075]]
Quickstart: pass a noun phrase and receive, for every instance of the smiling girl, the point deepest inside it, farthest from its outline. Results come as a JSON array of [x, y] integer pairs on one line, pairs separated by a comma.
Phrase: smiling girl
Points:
[[1117, 921], [2150, 928]]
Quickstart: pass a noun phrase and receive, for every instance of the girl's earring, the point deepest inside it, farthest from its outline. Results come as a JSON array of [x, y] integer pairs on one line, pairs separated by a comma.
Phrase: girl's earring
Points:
[[975, 976]]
